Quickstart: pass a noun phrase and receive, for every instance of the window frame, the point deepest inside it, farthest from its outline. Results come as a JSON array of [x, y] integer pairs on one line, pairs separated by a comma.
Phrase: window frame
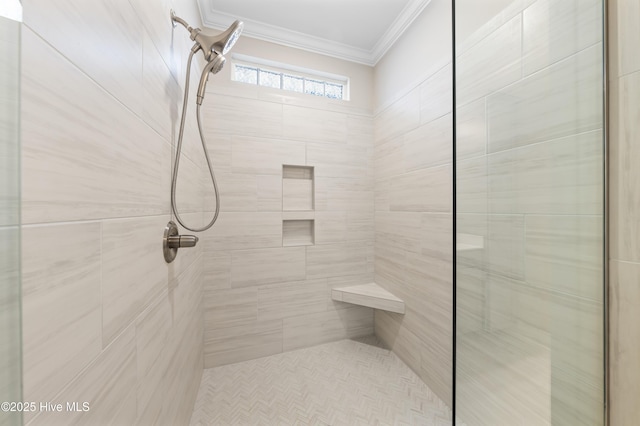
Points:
[[263, 66]]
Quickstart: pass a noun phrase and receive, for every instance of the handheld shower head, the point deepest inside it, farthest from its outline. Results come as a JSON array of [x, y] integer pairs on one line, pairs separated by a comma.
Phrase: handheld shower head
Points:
[[214, 66], [213, 47]]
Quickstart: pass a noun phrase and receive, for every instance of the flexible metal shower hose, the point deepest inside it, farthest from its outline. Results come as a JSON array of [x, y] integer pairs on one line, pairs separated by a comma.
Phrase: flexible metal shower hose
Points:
[[174, 177]]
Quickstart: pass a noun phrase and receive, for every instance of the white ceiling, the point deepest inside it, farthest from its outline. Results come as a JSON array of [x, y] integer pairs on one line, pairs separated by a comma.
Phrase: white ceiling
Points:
[[355, 30]]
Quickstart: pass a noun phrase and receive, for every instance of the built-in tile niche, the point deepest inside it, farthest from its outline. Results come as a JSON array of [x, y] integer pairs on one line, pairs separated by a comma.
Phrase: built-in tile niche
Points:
[[298, 232], [298, 224], [297, 188]]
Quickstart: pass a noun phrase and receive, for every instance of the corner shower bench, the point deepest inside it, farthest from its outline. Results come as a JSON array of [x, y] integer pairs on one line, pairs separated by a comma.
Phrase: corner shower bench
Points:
[[371, 295]]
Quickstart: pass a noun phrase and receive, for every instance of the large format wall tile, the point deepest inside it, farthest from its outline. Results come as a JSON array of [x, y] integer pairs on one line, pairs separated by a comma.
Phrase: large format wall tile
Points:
[[399, 118], [322, 327], [401, 340], [265, 266], [103, 39], [238, 192], [436, 230], [627, 37], [429, 145], [470, 299], [278, 301], [471, 129], [436, 367], [388, 158], [346, 162], [187, 293], [624, 211], [165, 368], [360, 130], [471, 185], [159, 109], [127, 287], [244, 230], [399, 230], [389, 266], [161, 94], [269, 193], [227, 308], [108, 385], [564, 253], [60, 305], [10, 46], [169, 41], [555, 30], [190, 186], [330, 227], [625, 344], [76, 164], [341, 194], [561, 100], [360, 224], [153, 328], [241, 192], [428, 295], [230, 115], [217, 269], [436, 95], [426, 190], [11, 351], [331, 260], [562, 176], [505, 245], [250, 340], [569, 326], [314, 125], [492, 64], [625, 174], [265, 156]]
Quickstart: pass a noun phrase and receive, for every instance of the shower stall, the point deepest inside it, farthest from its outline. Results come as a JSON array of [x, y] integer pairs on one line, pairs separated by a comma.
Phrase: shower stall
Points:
[[470, 184]]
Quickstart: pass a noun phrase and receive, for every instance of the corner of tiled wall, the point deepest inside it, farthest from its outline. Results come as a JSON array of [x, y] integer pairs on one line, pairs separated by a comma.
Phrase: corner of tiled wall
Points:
[[413, 227], [624, 211], [105, 319], [264, 295]]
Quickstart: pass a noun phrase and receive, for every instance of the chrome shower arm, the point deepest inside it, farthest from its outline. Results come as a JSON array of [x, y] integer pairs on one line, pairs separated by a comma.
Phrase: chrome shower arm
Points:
[[175, 19]]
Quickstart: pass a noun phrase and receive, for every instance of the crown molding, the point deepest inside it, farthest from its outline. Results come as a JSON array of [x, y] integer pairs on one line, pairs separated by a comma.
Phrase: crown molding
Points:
[[397, 28], [220, 20]]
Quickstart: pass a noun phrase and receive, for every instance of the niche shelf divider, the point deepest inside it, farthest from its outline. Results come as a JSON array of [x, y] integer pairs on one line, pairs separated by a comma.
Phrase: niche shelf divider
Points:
[[298, 202]]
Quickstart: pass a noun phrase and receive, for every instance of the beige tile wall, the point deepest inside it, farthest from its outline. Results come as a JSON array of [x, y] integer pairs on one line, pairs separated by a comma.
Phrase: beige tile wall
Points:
[[105, 319], [413, 224], [264, 295], [624, 211]]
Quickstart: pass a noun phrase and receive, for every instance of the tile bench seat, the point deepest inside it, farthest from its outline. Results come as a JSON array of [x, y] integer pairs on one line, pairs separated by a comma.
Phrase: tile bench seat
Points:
[[371, 295]]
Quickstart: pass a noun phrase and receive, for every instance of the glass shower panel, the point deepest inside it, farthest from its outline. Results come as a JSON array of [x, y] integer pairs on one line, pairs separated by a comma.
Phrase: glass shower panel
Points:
[[10, 335], [529, 213]]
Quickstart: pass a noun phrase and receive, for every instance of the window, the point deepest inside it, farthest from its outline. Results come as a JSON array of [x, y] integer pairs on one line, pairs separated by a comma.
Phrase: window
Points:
[[286, 77]]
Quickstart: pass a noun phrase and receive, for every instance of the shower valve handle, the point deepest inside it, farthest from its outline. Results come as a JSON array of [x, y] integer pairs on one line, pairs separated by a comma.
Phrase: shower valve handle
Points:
[[177, 241], [172, 241]]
